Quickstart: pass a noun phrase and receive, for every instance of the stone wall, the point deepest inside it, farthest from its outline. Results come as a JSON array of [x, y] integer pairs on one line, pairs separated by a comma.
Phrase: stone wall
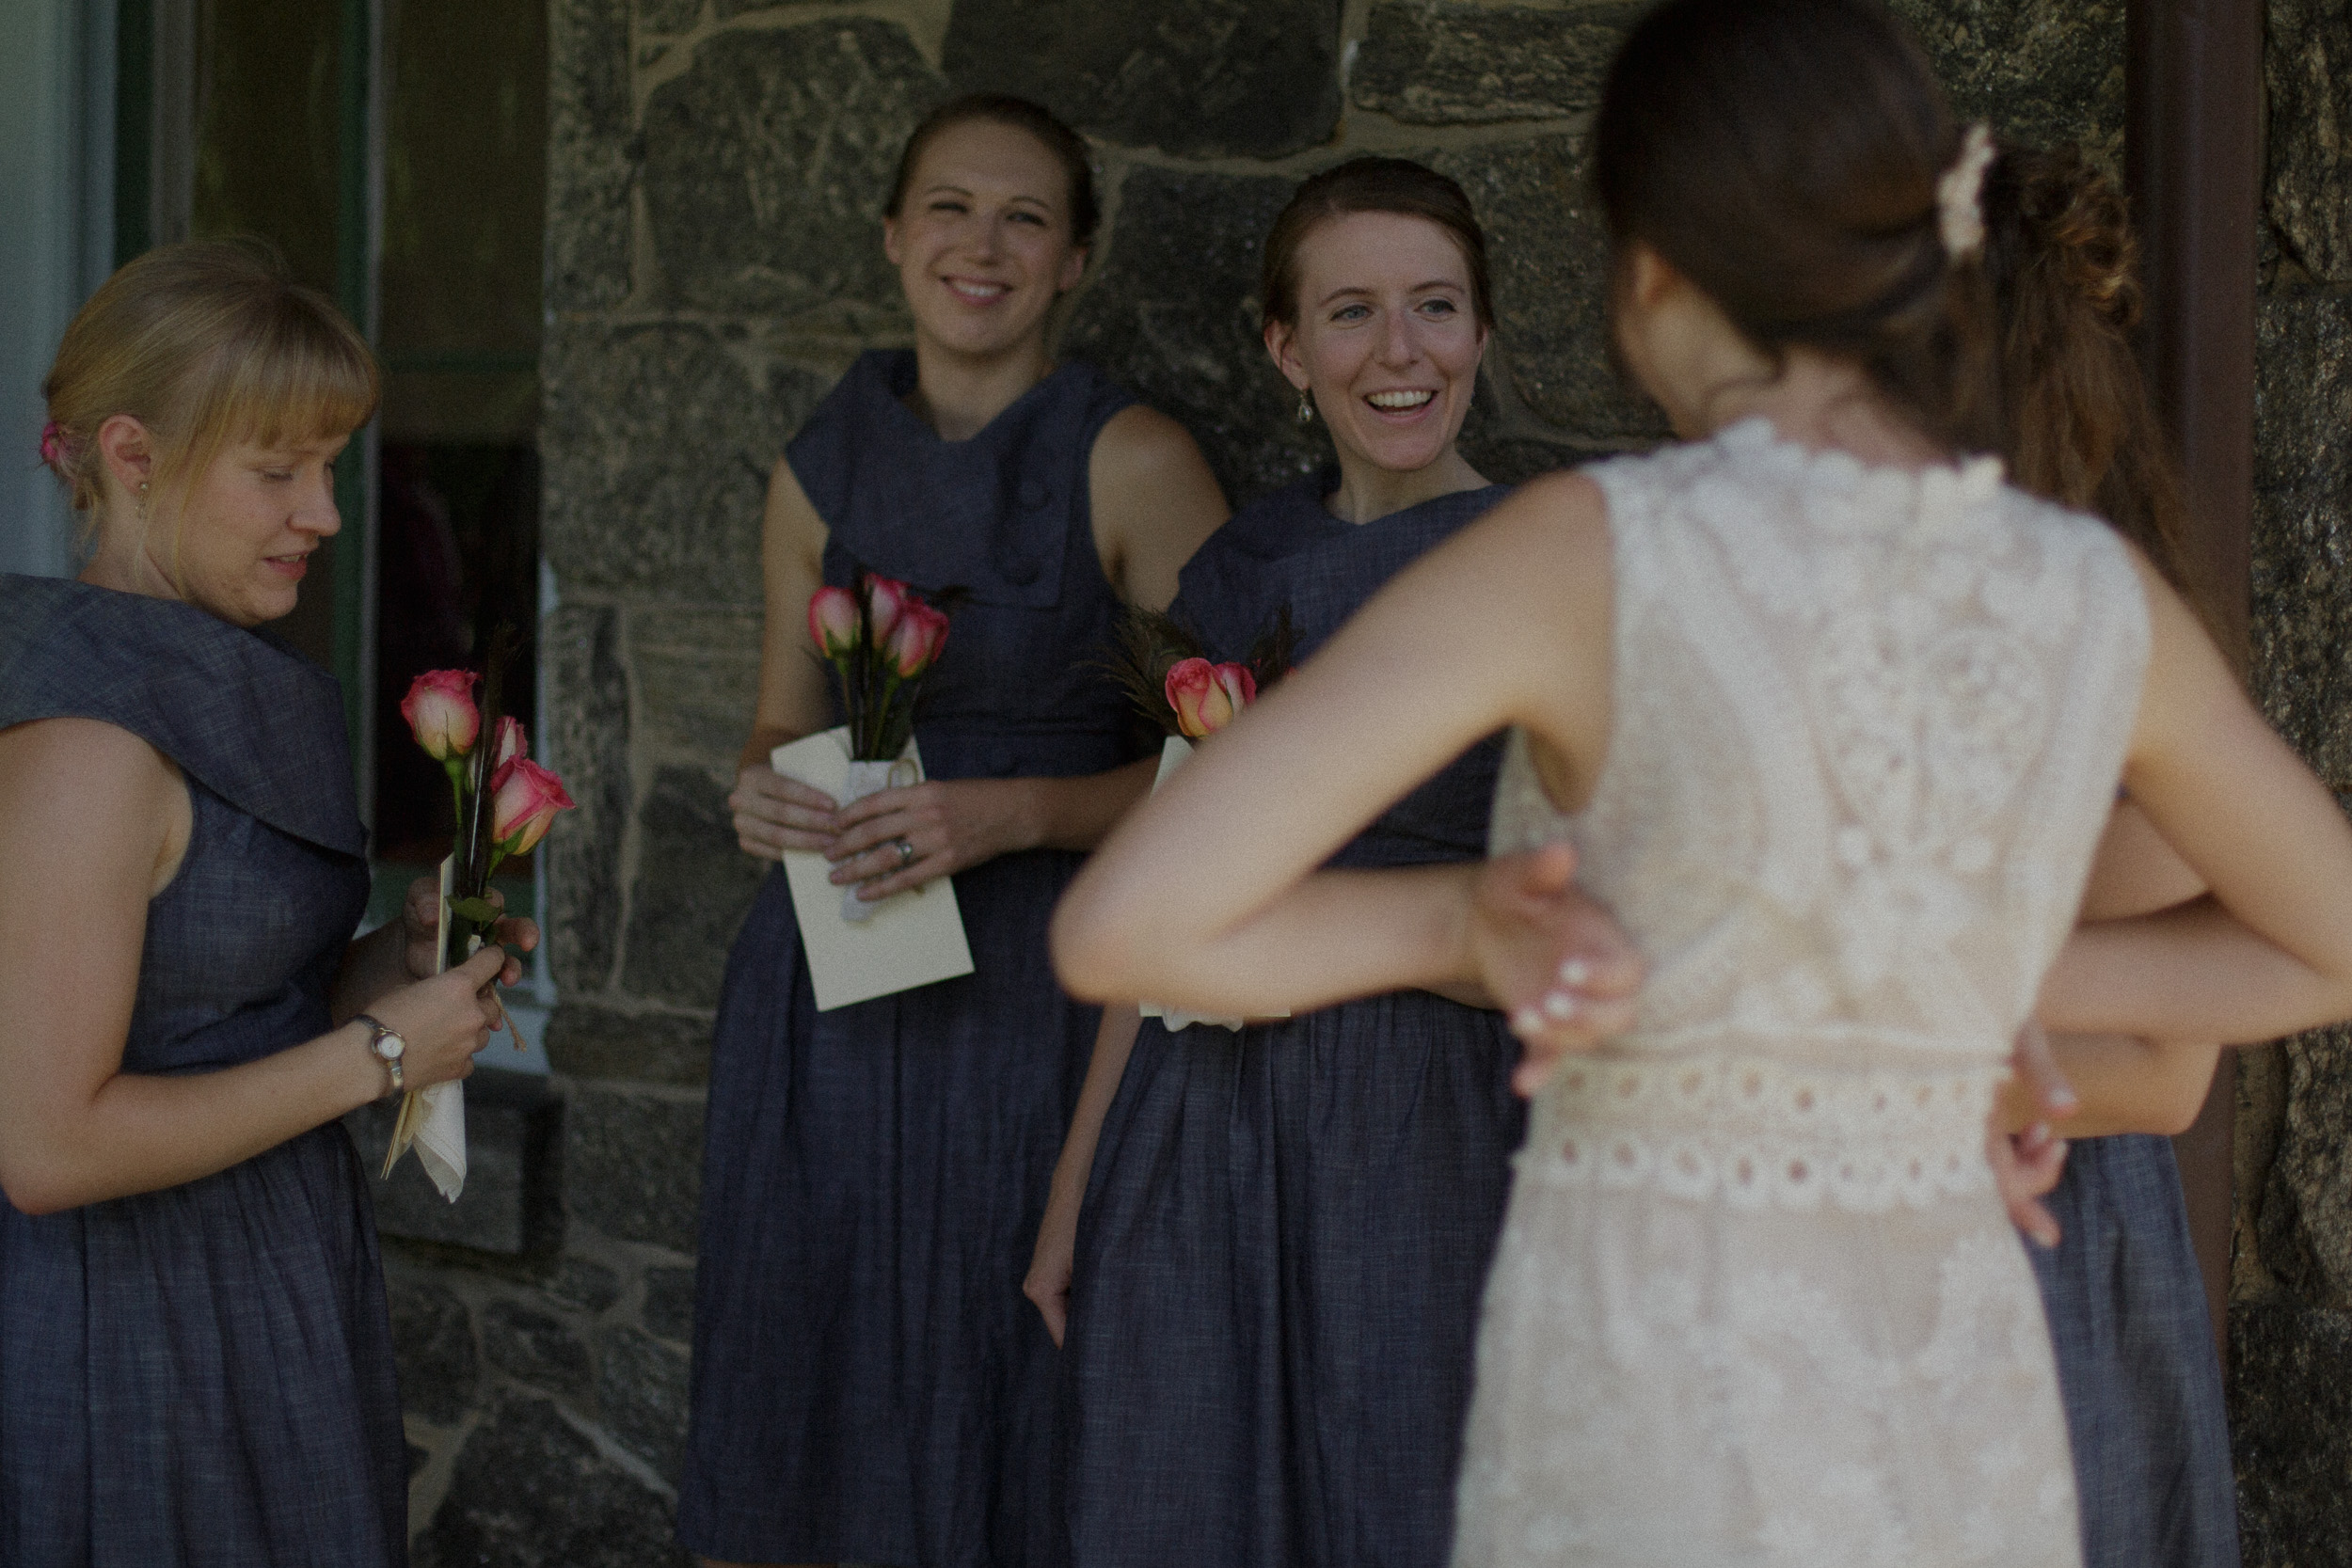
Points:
[[717, 172], [2291, 1293]]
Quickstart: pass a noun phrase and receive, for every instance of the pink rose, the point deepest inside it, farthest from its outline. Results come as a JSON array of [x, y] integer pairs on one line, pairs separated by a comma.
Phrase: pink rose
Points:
[[524, 799], [441, 713], [512, 741], [1206, 696], [914, 647], [833, 621], [885, 602]]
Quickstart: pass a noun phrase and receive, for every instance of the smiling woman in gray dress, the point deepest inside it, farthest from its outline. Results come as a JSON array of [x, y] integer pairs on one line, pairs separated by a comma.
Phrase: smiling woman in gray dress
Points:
[[868, 1381], [1271, 1285], [195, 1360]]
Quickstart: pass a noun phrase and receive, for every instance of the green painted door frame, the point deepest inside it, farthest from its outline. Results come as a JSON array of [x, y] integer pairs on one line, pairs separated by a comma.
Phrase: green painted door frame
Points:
[[355, 292]]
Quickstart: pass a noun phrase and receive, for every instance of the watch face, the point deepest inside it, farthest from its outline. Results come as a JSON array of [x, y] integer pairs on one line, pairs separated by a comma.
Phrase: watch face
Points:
[[390, 1046]]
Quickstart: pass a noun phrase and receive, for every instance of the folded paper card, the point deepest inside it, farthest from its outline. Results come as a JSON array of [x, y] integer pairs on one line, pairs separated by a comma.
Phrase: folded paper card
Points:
[[1174, 751], [912, 939]]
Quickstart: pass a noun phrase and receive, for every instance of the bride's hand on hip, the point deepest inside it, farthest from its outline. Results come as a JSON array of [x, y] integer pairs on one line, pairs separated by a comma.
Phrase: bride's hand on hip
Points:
[[2027, 1164], [896, 839], [774, 813], [1556, 962]]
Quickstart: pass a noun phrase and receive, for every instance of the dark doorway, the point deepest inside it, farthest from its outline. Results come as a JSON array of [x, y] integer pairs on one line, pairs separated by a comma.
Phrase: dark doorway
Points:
[[465, 182]]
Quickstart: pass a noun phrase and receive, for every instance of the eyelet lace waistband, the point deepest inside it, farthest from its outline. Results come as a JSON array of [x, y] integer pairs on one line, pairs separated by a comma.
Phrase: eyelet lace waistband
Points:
[[1758, 1132]]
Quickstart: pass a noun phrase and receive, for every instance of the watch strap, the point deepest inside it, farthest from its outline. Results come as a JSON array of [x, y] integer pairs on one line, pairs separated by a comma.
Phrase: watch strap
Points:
[[391, 1065]]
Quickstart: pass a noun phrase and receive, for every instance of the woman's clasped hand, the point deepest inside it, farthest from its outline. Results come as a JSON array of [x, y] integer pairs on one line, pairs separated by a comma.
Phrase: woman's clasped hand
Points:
[[946, 826], [445, 1019]]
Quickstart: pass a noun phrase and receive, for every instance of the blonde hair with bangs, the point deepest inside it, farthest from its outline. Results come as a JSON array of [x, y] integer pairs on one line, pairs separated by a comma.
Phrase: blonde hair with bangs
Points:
[[206, 342]]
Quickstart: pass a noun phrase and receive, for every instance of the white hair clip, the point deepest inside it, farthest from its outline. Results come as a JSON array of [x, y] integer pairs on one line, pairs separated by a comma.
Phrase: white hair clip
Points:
[[1959, 207]]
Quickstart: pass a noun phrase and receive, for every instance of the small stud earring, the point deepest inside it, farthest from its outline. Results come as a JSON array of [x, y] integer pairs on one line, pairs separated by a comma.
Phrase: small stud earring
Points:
[[1306, 407]]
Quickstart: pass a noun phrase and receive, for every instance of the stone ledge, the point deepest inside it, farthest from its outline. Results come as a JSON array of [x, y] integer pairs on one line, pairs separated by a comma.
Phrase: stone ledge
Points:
[[513, 1135], [585, 1040]]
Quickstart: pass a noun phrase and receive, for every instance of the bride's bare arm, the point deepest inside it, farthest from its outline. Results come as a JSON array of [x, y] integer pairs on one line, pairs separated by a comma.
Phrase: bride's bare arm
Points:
[[1223, 911], [2271, 951]]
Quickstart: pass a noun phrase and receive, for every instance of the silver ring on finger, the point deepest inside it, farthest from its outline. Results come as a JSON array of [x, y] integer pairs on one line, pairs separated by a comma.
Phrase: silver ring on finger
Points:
[[906, 852]]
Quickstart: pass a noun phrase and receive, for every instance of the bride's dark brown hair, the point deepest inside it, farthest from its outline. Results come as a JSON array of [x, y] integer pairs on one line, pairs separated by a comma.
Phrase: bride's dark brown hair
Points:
[[1784, 156], [2081, 430]]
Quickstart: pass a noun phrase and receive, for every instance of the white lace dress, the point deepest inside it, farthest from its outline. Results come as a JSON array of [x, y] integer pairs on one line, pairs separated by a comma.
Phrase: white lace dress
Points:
[[1756, 1301]]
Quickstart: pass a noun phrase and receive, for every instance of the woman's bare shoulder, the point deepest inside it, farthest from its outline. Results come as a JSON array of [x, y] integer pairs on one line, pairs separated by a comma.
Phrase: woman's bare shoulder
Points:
[[92, 790]]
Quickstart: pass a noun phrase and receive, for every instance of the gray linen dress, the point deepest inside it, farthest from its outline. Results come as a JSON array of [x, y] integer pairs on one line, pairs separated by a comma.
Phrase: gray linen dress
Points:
[[203, 1375], [869, 1383], [1283, 1242]]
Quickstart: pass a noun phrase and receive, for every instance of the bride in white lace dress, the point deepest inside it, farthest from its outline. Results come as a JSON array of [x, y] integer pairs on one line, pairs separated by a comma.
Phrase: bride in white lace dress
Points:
[[1832, 718]]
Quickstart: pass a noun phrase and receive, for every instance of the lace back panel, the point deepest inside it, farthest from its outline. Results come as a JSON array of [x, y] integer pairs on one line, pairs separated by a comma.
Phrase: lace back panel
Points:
[[1868, 730]]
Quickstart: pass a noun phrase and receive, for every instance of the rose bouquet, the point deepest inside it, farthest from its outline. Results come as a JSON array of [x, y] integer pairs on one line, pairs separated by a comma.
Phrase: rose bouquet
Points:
[[878, 641], [1178, 690], [505, 804]]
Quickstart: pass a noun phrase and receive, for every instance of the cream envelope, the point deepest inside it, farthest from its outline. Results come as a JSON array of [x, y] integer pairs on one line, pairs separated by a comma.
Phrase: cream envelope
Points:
[[1174, 751], [913, 939]]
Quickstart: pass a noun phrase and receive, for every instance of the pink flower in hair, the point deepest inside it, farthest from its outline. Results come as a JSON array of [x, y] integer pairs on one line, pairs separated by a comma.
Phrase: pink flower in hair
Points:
[[54, 446]]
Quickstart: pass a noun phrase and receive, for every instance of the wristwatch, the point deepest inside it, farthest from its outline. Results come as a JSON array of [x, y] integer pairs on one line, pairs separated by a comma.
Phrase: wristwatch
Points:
[[386, 1047]]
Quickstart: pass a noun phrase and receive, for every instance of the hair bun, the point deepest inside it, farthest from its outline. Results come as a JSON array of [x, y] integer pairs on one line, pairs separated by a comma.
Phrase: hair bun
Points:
[[2062, 210]]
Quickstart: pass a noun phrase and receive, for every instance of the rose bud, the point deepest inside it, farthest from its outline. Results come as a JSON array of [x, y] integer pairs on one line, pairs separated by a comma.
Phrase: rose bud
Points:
[[512, 741], [441, 713], [885, 602], [833, 621], [1203, 702], [524, 799], [914, 647]]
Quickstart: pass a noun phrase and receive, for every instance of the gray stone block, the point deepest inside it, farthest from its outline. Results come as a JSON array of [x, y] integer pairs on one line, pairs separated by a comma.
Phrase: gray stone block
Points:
[[2306, 1212], [580, 1283], [669, 1310], [2043, 73], [641, 1393], [529, 1491], [669, 16], [768, 160], [433, 1345], [2291, 1427], [2302, 628], [2307, 69], [2303, 392], [588, 1041], [695, 885], [536, 1348], [1442, 62], [509, 1202], [1550, 252], [1173, 316], [592, 163], [584, 736], [658, 444], [633, 1164], [2303, 534], [697, 677], [1196, 78]]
